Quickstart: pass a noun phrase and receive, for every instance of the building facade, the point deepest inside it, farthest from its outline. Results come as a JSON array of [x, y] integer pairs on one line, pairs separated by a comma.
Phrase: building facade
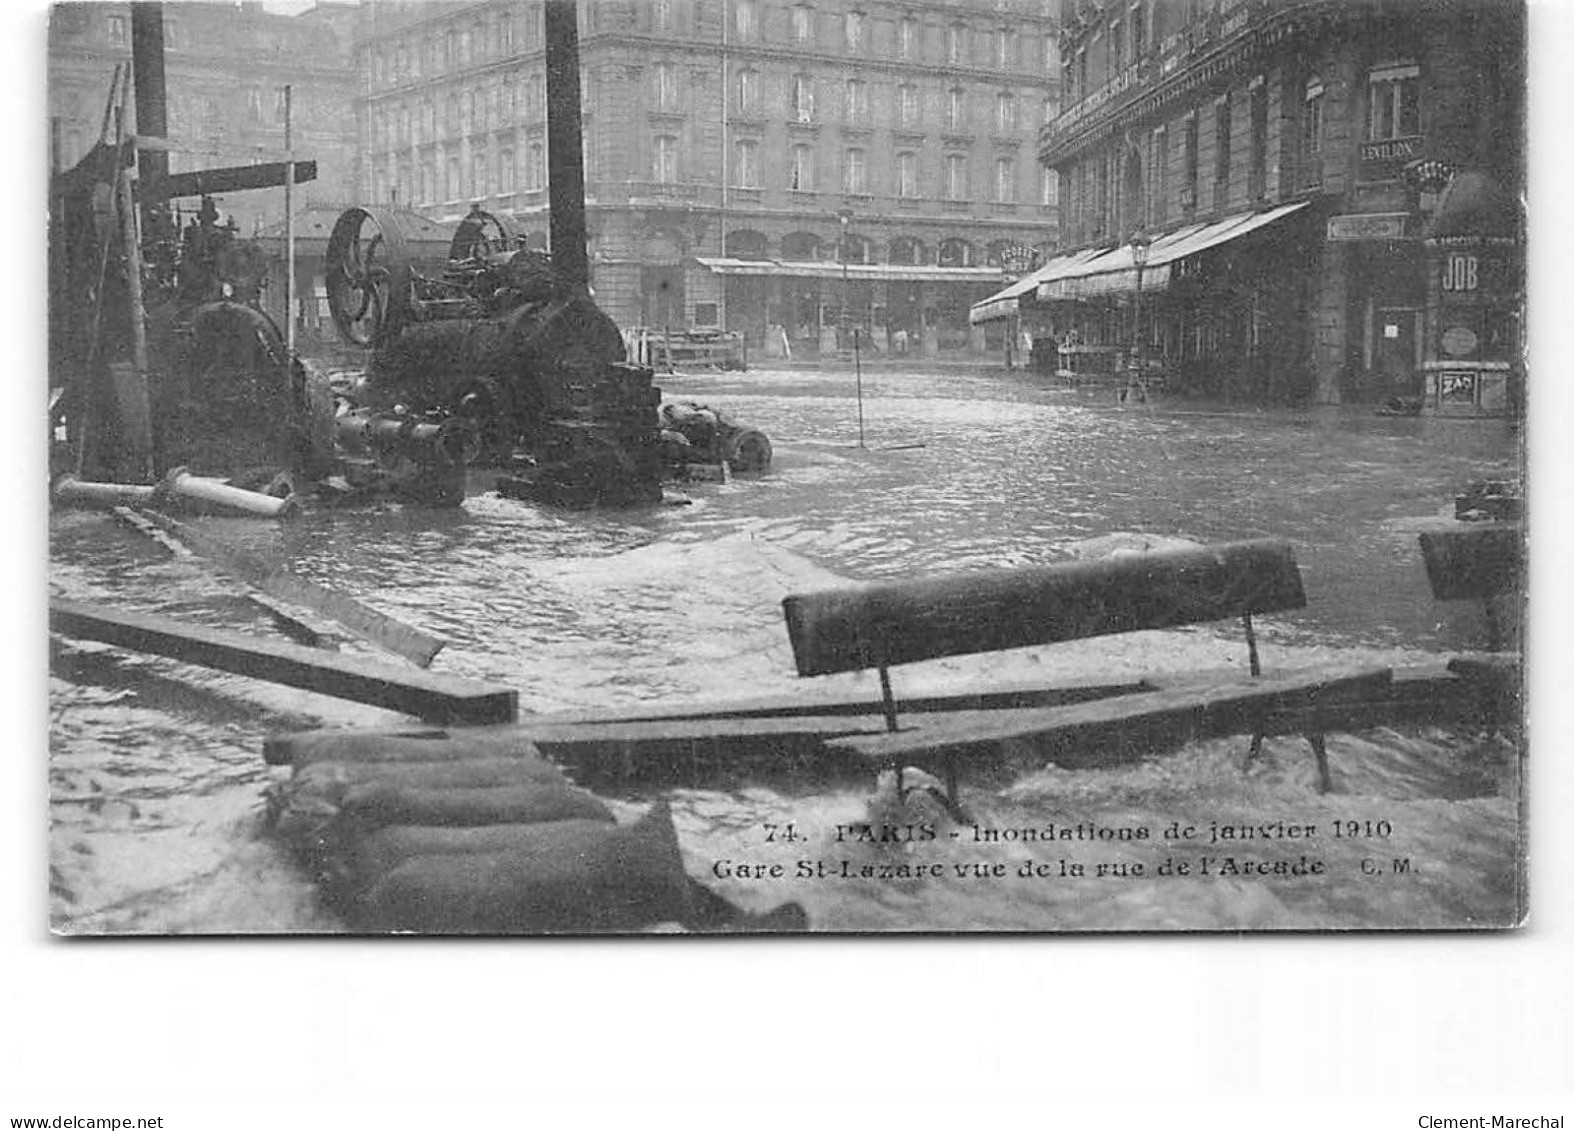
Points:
[[226, 67], [740, 153], [1330, 188]]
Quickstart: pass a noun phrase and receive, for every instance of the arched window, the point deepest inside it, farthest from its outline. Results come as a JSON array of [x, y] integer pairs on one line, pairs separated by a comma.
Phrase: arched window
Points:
[[854, 248], [800, 247], [955, 253], [746, 244], [906, 251]]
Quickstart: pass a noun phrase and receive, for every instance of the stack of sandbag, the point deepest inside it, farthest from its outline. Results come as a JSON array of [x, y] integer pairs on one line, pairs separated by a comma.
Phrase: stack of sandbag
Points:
[[453, 834]]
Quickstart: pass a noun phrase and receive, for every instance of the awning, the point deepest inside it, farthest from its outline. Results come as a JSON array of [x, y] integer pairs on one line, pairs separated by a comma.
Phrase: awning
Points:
[[1114, 271], [855, 272], [1008, 302]]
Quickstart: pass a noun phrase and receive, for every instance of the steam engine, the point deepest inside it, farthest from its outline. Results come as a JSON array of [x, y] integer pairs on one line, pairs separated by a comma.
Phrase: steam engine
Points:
[[500, 340]]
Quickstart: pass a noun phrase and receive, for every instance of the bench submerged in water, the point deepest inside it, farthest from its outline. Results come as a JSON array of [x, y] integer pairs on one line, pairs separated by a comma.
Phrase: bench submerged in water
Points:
[[881, 626]]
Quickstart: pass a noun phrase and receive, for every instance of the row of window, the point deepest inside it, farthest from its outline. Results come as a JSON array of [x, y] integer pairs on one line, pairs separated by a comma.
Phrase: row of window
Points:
[[857, 172], [500, 106], [457, 47], [907, 102], [1110, 195], [507, 172], [952, 251], [961, 42], [476, 110]]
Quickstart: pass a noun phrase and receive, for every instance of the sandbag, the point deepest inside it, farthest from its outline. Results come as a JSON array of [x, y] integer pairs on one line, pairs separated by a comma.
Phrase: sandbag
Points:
[[334, 778], [379, 852], [376, 805], [564, 876], [413, 745]]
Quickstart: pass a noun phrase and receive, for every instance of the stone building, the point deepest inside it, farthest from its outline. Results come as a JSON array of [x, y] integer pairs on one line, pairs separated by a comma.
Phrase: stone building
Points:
[[1330, 189], [226, 66], [740, 153]]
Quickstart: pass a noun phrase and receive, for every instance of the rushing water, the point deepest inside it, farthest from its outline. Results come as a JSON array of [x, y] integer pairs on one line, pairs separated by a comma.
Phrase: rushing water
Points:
[[156, 769]]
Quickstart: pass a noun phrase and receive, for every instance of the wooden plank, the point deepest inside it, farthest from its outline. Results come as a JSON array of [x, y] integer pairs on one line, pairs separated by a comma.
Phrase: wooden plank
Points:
[[298, 628], [367, 623], [1131, 723], [990, 610], [1419, 694], [429, 695], [229, 178], [1474, 560], [1022, 694]]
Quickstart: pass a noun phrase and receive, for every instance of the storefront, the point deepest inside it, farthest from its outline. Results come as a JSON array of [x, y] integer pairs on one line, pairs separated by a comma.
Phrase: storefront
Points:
[[896, 308], [1473, 335]]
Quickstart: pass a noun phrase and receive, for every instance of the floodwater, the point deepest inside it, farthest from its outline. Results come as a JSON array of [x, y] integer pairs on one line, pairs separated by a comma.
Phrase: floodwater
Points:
[[156, 771]]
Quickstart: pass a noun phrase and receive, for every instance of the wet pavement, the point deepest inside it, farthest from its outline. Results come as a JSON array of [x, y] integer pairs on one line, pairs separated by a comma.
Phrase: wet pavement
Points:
[[156, 769]]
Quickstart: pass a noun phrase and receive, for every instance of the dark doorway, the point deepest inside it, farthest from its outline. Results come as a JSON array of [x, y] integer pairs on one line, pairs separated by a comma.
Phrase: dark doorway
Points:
[[661, 297]]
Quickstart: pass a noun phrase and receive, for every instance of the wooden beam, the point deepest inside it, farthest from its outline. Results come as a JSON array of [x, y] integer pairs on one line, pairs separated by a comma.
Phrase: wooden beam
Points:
[[429, 695], [276, 581], [230, 178], [990, 610], [1112, 730], [1021, 694]]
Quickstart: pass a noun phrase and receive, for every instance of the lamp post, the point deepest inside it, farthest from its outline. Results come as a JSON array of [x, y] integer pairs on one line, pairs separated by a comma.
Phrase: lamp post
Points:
[[1140, 242], [846, 218]]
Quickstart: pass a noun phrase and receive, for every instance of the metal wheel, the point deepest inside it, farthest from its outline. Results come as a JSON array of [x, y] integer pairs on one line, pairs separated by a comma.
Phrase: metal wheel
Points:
[[367, 275], [481, 234]]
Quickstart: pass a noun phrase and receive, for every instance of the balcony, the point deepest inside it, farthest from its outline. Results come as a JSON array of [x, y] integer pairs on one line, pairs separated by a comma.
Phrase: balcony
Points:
[[1231, 41]]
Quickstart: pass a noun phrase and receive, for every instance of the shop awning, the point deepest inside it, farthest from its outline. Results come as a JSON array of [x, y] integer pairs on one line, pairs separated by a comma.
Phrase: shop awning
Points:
[[1008, 302], [1114, 271], [856, 272]]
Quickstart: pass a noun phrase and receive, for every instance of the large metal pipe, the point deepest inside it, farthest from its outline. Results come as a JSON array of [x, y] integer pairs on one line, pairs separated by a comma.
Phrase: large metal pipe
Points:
[[565, 153], [181, 482]]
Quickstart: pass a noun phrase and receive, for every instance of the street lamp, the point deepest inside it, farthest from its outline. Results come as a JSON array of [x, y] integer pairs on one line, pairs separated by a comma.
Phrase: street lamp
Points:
[[846, 218], [1140, 242]]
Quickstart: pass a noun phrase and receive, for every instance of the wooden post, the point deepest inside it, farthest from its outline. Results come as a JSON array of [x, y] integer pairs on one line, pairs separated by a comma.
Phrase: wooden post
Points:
[[1320, 752], [289, 231], [136, 427], [886, 699], [565, 145]]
